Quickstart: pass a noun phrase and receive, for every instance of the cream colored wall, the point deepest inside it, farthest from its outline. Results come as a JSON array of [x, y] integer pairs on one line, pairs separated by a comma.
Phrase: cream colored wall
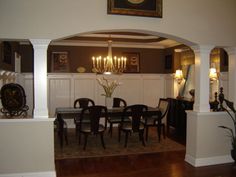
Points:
[[202, 22], [207, 144], [21, 153]]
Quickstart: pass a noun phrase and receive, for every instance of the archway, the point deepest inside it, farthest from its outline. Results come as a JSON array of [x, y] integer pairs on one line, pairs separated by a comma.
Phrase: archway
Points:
[[57, 45]]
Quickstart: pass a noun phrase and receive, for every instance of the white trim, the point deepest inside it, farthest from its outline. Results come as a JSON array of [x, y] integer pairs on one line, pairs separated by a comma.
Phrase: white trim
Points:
[[104, 44], [198, 162], [32, 174], [5, 120], [196, 113]]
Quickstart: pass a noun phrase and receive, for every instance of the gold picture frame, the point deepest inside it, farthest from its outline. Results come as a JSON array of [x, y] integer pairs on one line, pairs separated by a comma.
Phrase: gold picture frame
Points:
[[148, 8], [60, 62]]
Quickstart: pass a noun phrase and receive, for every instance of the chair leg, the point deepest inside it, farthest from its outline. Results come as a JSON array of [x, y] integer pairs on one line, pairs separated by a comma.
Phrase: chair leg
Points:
[[164, 131], [79, 135], [119, 133], [111, 127], [66, 137], [60, 135], [61, 132], [159, 132], [126, 138], [102, 140], [76, 130], [142, 136], [146, 133], [85, 140]]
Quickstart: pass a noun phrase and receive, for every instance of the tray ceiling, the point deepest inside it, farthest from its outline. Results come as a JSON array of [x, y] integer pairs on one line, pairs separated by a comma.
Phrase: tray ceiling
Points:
[[119, 39]]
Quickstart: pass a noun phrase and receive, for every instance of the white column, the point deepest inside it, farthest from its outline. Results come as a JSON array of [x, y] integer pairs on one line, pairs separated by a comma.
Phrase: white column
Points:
[[40, 78], [202, 56], [232, 73]]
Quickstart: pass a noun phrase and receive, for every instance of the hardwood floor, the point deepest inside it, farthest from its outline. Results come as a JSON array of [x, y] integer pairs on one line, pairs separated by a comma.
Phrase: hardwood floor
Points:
[[167, 164], [164, 164]]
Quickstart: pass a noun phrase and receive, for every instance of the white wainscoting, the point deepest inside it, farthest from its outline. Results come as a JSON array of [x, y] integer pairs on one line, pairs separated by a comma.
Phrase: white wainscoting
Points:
[[64, 88], [60, 93]]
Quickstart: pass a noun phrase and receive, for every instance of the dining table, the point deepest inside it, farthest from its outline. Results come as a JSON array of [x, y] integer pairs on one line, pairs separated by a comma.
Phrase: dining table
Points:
[[62, 113]]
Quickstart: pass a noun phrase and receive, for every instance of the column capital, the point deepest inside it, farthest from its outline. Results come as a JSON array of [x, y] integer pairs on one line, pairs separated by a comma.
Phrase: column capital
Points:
[[230, 50], [202, 48], [40, 42]]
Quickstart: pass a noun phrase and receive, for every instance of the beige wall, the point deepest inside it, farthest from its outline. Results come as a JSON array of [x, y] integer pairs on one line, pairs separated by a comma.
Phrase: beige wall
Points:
[[208, 144], [21, 153], [202, 22]]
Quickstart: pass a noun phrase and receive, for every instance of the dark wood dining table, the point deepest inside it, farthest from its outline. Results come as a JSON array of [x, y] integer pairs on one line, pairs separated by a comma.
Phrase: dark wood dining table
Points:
[[63, 113]]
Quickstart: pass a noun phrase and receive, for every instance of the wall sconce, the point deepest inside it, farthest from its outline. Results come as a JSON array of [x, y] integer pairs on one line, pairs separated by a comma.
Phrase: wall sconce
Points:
[[179, 76], [213, 77], [213, 74]]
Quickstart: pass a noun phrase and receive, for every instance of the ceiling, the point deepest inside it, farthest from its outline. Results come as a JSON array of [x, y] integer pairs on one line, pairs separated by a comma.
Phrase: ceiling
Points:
[[119, 39]]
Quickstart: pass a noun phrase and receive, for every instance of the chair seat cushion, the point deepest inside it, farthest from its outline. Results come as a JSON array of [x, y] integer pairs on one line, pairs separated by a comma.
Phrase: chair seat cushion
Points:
[[85, 127], [85, 120], [118, 119], [127, 126], [150, 121]]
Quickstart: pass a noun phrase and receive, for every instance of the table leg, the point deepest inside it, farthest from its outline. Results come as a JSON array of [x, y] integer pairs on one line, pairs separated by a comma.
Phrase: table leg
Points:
[[159, 129], [61, 129]]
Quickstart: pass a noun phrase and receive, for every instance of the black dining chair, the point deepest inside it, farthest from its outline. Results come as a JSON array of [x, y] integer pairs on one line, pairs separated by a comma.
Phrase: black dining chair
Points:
[[135, 112], [117, 102], [156, 121], [93, 127], [81, 103]]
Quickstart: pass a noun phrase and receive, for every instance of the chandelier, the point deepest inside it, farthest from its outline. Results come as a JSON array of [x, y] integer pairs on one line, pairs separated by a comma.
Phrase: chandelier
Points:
[[109, 64]]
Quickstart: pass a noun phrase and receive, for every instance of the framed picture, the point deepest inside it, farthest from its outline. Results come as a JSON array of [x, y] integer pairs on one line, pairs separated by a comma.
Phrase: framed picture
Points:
[[148, 8], [132, 63], [60, 62]]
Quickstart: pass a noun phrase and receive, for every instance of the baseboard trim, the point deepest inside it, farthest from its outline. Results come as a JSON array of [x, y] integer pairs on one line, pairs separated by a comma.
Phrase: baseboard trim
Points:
[[32, 174], [198, 162]]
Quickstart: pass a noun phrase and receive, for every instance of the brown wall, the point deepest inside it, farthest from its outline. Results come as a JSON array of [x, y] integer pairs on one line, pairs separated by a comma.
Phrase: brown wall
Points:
[[151, 60], [26, 52], [7, 62]]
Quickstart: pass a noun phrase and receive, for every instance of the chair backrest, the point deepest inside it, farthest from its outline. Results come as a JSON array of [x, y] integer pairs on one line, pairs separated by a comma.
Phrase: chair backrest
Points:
[[83, 102], [13, 100], [94, 113], [163, 105], [118, 102], [135, 112]]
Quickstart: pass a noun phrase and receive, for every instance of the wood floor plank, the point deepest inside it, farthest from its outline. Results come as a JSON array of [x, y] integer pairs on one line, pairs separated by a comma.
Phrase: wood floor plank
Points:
[[164, 164]]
